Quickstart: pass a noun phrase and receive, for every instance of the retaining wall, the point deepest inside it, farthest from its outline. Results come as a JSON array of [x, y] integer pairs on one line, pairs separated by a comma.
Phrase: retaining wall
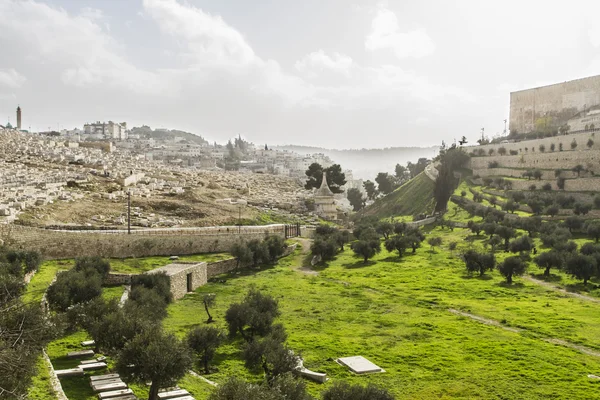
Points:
[[63, 244], [212, 269], [590, 159]]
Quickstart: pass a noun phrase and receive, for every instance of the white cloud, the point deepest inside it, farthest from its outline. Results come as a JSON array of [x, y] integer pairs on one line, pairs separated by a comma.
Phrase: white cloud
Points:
[[319, 61], [78, 45], [209, 39], [386, 34], [11, 79]]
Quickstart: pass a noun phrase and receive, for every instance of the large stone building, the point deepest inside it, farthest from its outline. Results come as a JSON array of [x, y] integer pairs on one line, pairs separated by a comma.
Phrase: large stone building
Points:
[[552, 105], [106, 130]]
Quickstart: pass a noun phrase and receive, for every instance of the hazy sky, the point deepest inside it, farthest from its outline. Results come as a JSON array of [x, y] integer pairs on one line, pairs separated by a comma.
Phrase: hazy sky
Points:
[[335, 73]]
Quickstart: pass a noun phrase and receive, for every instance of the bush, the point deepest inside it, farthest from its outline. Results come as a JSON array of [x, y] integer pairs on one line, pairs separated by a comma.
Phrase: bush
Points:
[[547, 186], [96, 263], [158, 282], [275, 246], [74, 287], [493, 164], [345, 391], [326, 249]]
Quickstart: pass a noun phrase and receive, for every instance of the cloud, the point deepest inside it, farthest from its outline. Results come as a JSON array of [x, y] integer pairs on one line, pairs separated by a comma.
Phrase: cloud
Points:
[[385, 34], [78, 46], [211, 46], [319, 61], [11, 79]]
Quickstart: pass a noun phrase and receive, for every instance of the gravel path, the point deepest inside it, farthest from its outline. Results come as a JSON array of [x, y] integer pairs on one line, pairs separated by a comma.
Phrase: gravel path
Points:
[[558, 289], [483, 320]]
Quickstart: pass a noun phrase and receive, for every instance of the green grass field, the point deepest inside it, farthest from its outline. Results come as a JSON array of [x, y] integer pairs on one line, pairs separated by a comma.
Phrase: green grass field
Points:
[[395, 313], [414, 197]]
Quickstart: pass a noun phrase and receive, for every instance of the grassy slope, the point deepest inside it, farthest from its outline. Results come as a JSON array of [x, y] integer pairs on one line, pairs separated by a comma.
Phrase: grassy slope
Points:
[[395, 313], [414, 197]]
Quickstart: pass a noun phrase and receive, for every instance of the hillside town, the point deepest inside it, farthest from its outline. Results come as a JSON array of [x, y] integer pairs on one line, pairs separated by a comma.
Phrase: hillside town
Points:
[[105, 162]]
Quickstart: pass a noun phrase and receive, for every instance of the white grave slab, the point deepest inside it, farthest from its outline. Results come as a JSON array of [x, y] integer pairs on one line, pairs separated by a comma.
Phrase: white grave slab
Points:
[[114, 393], [173, 394], [93, 366], [95, 378], [359, 365], [61, 373], [109, 387]]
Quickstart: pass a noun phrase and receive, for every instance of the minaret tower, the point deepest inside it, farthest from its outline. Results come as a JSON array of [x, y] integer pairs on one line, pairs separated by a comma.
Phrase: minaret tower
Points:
[[19, 118]]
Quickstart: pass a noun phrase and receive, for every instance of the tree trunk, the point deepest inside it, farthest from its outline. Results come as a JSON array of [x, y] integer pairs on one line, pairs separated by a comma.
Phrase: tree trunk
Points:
[[205, 361], [547, 271], [509, 279], [153, 395], [585, 281], [210, 318]]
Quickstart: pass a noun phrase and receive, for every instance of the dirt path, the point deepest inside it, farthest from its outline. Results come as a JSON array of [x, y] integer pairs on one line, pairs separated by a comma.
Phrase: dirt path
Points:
[[305, 243], [483, 320], [583, 349], [560, 342], [558, 289]]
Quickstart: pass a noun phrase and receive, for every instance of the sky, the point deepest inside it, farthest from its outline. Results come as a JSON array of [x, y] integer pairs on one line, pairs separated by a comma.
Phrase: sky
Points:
[[330, 73]]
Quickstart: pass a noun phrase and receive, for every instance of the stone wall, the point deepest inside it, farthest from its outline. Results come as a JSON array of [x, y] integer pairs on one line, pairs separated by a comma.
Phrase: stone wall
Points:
[[559, 101], [62, 244], [221, 267], [518, 173], [212, 269], [580, 138], [590, 159], [114, 279]]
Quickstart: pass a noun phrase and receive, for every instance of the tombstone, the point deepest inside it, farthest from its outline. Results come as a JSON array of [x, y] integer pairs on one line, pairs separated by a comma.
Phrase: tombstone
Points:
[[80, 354], [173, 394]]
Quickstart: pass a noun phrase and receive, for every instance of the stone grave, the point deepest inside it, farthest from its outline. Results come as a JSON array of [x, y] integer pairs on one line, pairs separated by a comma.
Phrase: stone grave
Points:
[[359, 365]]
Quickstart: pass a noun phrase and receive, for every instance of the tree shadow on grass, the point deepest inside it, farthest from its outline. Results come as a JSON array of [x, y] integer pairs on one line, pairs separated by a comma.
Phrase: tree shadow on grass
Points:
[[551, 278], [514, 285], [359, 264], [579, 287], [394, 259], [484, 277]]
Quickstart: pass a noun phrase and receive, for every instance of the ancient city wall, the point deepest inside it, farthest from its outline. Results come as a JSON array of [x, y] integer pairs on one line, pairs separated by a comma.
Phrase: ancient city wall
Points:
[[580, 138], [518, 173], [63, 244], [559, 101], [590, 159]]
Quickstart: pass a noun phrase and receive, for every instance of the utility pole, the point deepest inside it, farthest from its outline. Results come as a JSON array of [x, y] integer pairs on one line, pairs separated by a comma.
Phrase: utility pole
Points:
[[129, 212], [505, 127]]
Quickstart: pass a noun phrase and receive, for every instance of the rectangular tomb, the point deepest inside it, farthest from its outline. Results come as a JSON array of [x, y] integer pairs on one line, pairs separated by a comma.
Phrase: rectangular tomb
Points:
[[359, 365]]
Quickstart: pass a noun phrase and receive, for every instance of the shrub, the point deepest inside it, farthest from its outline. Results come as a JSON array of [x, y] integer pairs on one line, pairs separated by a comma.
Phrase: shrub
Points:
[[493, 164], [547, 186], [542, 148], [324, 248], [573, 144], [74, 287], [513, 152], [98, 264], [158, 282], [552, 147], [345, 391], [275, 246]]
